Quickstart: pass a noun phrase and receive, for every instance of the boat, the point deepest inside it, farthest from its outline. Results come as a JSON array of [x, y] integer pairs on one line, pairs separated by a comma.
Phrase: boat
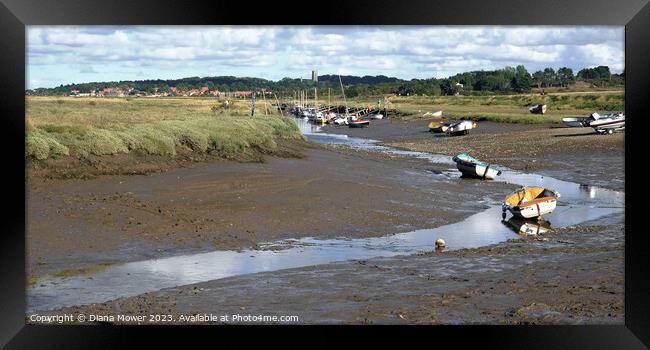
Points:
[[340, 120], [576, 122], [437, 114], [438, 127], [473, 167], [530, 202], [525, 227], [461, 128], [538, 109], [376, 116], [358, 123], [607, 123]]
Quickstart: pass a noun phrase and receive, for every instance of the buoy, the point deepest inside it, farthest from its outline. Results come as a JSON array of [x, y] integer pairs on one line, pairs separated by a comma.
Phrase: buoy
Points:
[[440, 243]]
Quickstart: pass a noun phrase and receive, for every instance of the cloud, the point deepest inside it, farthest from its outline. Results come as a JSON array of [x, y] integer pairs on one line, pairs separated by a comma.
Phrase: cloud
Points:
[[402, 51]]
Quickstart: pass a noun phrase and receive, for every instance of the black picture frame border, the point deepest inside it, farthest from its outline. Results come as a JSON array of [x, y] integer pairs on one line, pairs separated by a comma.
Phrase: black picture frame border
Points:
[[15, 15]]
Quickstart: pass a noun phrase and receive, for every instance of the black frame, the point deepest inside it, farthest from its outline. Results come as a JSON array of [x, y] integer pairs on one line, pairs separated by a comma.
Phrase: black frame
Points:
[[15, 14]]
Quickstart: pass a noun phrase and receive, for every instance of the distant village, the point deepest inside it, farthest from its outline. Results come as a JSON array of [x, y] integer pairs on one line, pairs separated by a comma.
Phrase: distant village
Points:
[[173, 91]]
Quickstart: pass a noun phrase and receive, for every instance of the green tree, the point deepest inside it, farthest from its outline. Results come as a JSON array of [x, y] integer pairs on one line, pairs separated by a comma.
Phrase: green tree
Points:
[[565, 75], [522, 80], [549, 77]]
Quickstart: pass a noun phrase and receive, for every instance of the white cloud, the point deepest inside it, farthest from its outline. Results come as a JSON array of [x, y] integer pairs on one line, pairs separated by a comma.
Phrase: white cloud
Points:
[[402, 51]]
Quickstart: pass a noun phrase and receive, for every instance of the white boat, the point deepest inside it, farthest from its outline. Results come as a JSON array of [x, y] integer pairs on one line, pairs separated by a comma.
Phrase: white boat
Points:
[[530, 202], [576, 122], [437, 114], [376, 116], [538, 109], [461, 128], [358, 123], [473, 167], [607, 123]]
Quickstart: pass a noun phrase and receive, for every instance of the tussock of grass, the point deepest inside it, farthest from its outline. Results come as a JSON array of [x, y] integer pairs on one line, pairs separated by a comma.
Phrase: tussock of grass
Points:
[[160, 127]]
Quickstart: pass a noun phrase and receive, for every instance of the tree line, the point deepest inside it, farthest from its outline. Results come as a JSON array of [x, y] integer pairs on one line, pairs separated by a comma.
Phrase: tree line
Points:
[[500, 81]]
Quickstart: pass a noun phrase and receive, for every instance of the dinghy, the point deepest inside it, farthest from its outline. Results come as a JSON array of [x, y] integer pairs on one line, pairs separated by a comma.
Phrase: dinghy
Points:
[[461, 128], [576, 122], [358, 123], [538, 109], [438, 127], [340, 121], [473, 167], [376, 116], [530, 202]]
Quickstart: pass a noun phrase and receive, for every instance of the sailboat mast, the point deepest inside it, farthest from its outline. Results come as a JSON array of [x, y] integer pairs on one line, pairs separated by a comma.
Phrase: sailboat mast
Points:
[[344, 99]]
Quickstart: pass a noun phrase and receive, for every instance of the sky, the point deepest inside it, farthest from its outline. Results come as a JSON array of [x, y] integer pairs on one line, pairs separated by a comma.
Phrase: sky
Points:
[[77, 54]]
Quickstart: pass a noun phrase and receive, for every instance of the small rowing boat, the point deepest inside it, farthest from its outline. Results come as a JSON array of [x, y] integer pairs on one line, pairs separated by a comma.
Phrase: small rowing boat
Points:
[[461, 128], [530, 202], [438, 127], [538, 109], [576, 122], [358, 123], [473, 167]]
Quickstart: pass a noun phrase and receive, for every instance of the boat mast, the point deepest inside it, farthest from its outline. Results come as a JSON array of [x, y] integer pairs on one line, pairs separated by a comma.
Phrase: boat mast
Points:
[[344, 100]]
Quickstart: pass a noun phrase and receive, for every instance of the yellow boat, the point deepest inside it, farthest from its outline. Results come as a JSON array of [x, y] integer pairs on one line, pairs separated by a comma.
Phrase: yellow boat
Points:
[[438, 127], [530, 202]]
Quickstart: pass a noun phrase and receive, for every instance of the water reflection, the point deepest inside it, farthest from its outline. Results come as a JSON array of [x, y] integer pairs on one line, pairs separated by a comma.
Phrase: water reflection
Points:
[[527, 227]]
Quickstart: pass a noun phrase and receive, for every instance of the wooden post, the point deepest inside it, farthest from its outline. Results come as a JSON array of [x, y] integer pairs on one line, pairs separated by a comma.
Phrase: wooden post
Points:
[[253, 104], [264, 99]]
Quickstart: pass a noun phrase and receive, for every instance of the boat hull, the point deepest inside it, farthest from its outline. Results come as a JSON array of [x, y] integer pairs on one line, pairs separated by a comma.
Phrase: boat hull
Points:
[[530, 202], [608, 125], [359, 124], [534, 210], [482, 171], [461, 128], [575, 122]]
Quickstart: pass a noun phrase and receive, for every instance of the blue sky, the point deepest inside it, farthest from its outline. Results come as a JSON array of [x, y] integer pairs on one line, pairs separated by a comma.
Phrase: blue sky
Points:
[[76, 54]]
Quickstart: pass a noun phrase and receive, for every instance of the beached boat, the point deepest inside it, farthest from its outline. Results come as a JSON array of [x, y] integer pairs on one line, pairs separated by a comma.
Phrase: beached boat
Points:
[[461, 128], [607, 123], [538, 109], [358, 123], [473, 167], [438, 127], [340, 121], [576, 122], [376, 116], [528, 227], [530, 202]]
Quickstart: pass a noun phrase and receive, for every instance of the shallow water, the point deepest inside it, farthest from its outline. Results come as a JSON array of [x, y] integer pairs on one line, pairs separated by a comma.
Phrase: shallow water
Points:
[[577, 204]]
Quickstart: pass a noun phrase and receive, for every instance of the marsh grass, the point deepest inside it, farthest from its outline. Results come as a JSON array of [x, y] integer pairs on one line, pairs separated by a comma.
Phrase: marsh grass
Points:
[[76, 127]]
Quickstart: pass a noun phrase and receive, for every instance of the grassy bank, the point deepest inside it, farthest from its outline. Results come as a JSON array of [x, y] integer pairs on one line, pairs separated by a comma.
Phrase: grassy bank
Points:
[[81, 127]]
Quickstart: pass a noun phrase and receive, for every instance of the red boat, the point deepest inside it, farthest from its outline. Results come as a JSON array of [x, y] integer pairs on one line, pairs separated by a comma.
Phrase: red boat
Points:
[[359, 123]]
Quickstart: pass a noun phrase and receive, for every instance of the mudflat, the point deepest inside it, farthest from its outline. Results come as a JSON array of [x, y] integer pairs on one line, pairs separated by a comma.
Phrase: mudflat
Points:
[[76, 223], [572, 275]]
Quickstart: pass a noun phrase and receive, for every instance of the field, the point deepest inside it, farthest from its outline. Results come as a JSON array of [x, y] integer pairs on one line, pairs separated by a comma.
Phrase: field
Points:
[[58, 127], [500, 108]]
